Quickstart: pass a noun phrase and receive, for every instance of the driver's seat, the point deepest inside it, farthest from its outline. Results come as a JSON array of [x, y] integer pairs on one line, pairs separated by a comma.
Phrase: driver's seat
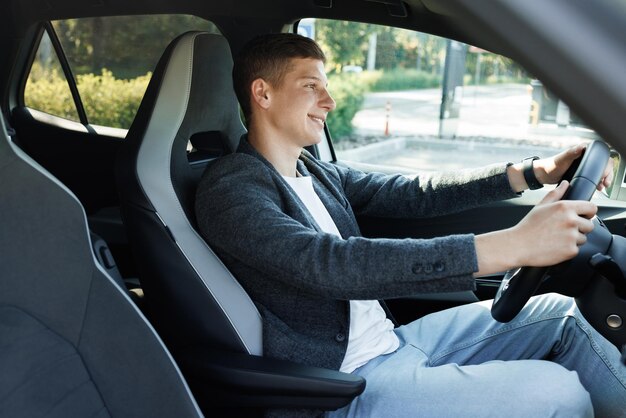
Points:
[[205, 316], [189, 99]]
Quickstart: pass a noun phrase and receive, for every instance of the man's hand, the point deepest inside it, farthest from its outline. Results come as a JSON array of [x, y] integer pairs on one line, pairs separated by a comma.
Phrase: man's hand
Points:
[[549, 234], [554, 229], [551, 170]]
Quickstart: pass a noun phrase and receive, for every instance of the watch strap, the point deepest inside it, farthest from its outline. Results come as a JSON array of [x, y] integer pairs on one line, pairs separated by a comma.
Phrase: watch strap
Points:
[[529, 173]]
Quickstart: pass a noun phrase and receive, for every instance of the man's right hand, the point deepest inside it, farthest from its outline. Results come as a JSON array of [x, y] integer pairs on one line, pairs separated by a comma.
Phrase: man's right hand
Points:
[[550, 233], [554, 229]]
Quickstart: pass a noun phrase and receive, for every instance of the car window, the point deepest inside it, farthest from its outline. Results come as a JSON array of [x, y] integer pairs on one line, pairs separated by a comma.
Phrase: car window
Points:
[[111, 59], [410, 102], [47, 88]]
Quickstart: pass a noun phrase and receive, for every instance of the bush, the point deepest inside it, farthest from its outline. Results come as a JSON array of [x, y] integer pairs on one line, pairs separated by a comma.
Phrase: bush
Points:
[[48, 91], [401, 79], [107, 101], [348, 90], [468, 80]]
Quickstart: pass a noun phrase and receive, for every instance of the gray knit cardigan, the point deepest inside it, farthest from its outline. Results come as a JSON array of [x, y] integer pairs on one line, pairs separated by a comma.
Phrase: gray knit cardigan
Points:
[[301, 278]]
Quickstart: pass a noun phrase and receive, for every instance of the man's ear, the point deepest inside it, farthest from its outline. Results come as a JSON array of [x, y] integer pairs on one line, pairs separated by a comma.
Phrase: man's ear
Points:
[[261, 93]]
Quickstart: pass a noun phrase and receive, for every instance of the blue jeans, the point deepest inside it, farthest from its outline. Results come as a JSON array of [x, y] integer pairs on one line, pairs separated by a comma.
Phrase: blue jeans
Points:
[[462, 363]]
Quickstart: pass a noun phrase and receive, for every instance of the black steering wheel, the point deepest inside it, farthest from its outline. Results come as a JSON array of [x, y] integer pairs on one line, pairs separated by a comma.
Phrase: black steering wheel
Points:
[[520, 284]]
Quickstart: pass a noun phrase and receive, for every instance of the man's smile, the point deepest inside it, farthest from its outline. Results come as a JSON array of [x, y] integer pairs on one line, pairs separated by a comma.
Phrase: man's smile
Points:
[[317, 119]]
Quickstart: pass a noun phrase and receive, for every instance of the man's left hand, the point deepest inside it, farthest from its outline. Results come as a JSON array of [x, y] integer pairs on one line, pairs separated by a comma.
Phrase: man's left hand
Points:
[[551, 170]]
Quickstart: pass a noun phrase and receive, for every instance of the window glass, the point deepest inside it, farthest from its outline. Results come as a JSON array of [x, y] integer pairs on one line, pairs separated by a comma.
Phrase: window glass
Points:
[[46, 87], [408, 101], [112, 59]]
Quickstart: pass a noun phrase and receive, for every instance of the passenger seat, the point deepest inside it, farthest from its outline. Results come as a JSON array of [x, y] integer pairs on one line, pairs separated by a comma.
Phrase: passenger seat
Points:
[[72, 344]]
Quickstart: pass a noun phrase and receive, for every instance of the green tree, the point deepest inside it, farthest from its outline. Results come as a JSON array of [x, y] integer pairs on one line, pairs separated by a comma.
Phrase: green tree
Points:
[[344, 43], [128, 46], [348, 42], [493, 68]]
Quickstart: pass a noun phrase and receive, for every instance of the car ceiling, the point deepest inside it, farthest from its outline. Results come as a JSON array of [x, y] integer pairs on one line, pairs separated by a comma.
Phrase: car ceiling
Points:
[[232, 15], [555, 39]]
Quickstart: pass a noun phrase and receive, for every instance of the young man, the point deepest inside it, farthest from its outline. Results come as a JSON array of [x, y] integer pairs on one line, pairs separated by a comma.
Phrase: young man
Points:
[[284, 224]]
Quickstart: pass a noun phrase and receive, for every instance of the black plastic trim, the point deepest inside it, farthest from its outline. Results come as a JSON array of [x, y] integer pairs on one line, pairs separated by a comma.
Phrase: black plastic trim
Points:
[[265, 382], [69, 76]]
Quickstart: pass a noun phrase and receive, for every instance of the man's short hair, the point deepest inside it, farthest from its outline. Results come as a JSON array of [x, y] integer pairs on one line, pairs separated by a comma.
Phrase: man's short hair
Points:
[[267, 57]]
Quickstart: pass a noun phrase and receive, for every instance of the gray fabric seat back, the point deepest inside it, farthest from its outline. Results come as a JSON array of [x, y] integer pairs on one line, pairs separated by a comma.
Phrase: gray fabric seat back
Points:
[[71, 342], [192, 298]]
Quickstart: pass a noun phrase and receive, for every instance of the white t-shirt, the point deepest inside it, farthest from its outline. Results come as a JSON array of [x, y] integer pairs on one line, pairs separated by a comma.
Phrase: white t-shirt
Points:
[[371, 333]]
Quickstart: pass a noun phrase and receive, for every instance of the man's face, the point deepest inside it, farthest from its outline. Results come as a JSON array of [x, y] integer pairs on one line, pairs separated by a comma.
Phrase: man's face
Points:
[[300, 104]]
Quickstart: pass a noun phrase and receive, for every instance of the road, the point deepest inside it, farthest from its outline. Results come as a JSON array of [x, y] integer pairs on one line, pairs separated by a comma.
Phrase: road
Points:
[[493, 126], [437, 155]]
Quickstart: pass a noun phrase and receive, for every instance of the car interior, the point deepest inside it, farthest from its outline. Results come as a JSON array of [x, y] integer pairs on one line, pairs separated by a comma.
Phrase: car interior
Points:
[[102, 260]]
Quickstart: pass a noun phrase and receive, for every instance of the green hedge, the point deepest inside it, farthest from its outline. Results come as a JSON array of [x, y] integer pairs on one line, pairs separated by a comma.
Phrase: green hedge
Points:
[[348, 90], [400, 79], [107, 101], [114, 102], [49, 92], [468, 80]]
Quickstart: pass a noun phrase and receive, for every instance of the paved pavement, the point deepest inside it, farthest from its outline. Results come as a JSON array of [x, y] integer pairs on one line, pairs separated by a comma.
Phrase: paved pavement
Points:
[[493, 126]]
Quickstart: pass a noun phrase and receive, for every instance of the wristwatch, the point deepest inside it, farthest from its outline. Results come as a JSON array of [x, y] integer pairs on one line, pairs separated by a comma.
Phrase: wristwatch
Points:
[[529, 173]]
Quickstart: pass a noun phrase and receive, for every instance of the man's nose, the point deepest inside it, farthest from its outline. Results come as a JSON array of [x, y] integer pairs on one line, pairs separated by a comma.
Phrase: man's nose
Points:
[[327, 102]]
